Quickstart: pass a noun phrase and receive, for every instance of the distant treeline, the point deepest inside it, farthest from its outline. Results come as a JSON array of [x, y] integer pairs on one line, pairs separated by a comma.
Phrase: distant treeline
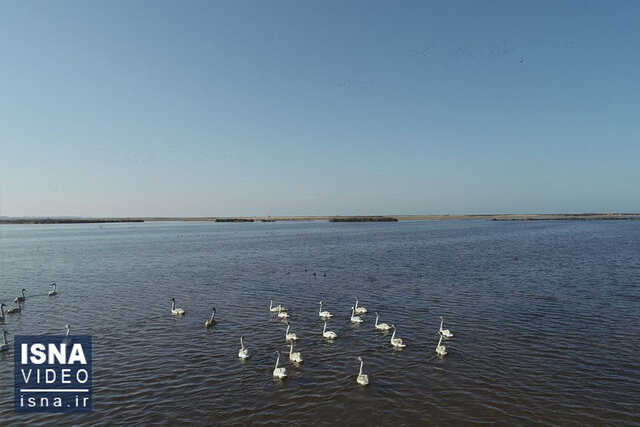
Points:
[[234, 220], [363, 219], [64, 221]]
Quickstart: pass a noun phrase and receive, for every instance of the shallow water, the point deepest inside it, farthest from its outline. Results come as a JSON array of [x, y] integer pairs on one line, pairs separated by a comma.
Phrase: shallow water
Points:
[[545, 317]]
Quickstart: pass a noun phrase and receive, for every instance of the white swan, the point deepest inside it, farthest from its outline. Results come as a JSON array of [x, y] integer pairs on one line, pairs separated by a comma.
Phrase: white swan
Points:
[[15, 309], [362, 378], [354, 318], [19, 299], [440, 349], [5, 344], [209, 322], [53, 292], [279, 372], [324, 314], [290, 336], [396, 342], [275, 308], [175, 311], [359, 310], [283, 314], [244, 352], [328, 334], [381, 326], [444, 332], [295, 356]]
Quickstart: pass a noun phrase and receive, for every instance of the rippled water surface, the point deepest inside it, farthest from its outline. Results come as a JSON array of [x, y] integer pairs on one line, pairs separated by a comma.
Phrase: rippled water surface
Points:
[[545, 317]]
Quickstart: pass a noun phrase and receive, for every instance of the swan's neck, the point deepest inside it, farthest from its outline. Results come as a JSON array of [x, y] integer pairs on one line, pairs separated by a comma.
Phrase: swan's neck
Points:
[[291, 349], [1, 311], [376, 320], [213, 314], [270, 304], [4, 337], [353, 311], [54, 286], [241, 344], [320, 311], [324, 329], [361, 363], [356, 306], [441, 323], [277, 361], [440, 341], [23, 293], [287, 333], [173, 305], [394, 334], [68, 330]]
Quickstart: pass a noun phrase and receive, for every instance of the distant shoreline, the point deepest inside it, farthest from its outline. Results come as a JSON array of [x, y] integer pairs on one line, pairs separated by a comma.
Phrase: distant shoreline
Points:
[[334, 218]]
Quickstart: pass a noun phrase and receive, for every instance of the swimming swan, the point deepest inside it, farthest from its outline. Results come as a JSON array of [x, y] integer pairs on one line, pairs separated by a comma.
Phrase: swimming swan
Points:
[[328, 334], [279, 372], [396, 342], [273, 308], [359, 310], [440, 349], [66, 339], [290, 336], [209, 322], [444, 332], [381, 326], [283, 314], [295, 356], [176, 311], [354, 318], [362, 378], [53, 292], [244, 352], [324, 314], [15, 309], [19, 299]]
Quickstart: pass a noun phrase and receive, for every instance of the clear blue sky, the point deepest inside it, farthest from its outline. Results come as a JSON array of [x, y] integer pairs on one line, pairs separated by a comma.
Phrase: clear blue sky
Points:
[[188, 108]]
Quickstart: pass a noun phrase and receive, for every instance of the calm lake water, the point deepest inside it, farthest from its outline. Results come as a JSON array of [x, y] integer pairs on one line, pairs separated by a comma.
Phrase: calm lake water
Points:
[[545, 317]]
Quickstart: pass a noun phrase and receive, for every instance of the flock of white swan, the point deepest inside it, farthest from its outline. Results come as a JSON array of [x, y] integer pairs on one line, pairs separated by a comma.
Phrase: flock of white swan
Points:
[[290, 337], [17, 309]]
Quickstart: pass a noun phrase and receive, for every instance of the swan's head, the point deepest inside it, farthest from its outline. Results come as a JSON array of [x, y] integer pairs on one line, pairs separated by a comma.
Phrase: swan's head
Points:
[[320, 302], [24, 290], [441, 318], [393, 326], [3, 305], [213, 308], [52, 284], [359, 359], [173, 299], [277, 353], [67, 326]]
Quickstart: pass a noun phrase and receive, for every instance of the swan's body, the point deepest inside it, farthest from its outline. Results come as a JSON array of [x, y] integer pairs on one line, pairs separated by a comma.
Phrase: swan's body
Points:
[[295, 356], [359, 310], [53, 292], [362, 378], [354, 318], [279, 372], [283, 314], [324, 314], [244, 351], [440, 349], [21, 298], [328, 334], [396, 342], [381, 326], [290, 336], [210, 321], [176, 311], [275, 308], [444, 332], [5, 344], [15, 309]]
